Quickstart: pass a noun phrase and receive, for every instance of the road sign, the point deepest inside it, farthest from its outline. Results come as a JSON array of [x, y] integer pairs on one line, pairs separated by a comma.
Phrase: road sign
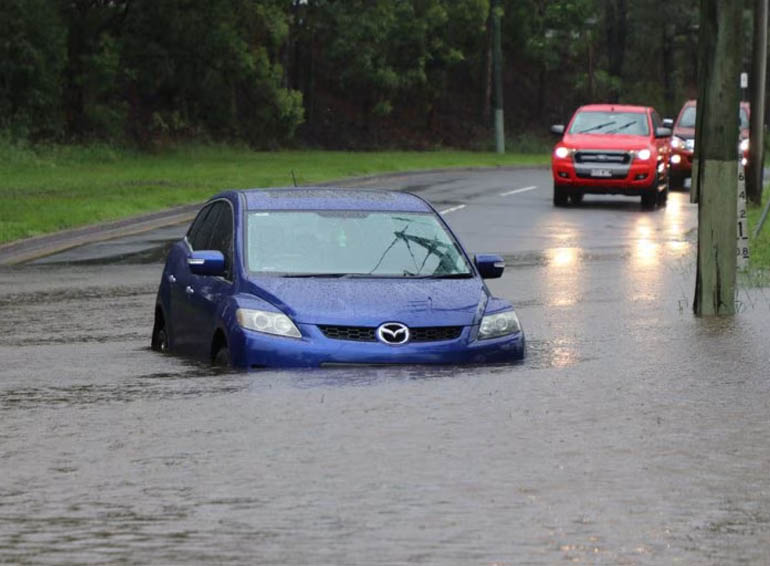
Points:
[[744, 80]]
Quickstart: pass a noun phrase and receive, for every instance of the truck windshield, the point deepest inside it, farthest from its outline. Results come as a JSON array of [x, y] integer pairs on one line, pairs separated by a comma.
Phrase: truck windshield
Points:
[[625, 123]]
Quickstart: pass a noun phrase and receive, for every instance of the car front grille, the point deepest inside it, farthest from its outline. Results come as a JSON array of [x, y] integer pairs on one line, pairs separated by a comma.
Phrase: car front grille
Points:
[[368, 334], [355, 333], [599, 157]]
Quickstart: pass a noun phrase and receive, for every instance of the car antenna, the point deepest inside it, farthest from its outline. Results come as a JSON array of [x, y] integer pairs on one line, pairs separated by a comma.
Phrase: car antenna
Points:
[[293, 178]]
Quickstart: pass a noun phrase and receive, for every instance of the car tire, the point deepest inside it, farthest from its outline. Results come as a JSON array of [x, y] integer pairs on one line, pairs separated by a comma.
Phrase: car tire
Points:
[[222, 357], [650, 197], [559, 195], [159, 341], [576, 198], [663, 195]]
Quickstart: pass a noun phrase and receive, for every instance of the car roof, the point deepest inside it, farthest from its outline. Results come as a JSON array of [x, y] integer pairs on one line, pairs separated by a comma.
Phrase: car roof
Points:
[[332, 198], [613, 108]]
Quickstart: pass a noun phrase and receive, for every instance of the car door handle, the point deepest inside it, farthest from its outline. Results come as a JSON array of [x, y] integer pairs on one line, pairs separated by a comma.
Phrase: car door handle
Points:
[[189, 290], [171, 279]]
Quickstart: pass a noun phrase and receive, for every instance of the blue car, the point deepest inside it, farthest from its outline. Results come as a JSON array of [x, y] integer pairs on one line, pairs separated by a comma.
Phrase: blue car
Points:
[[315, 276]]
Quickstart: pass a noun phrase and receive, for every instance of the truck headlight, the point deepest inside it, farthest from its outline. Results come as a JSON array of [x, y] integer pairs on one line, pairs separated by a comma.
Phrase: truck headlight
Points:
[[744, 145], [500, 324], [562, 152], [267, 322], [643, 154]]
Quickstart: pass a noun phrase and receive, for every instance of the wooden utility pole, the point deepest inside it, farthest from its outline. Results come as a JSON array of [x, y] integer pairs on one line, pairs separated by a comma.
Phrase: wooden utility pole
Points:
[[497, 55], [716, 147], [757, 129]]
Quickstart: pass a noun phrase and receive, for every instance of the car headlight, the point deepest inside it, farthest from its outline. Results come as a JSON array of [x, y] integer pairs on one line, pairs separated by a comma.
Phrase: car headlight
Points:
[[562, 152], [643, 154], [677, 142], [500, 324], [267, 322], [744, 145]]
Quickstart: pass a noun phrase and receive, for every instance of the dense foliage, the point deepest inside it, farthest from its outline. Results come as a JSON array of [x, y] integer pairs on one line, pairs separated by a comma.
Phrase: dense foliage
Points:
[[329, 73]]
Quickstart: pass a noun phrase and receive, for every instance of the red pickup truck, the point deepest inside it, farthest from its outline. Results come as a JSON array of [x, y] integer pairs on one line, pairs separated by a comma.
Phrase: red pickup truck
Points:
[[612, 149]]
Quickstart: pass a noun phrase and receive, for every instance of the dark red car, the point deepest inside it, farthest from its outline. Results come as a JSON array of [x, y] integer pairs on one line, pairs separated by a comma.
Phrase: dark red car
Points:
[[683, 141], [612, 149]]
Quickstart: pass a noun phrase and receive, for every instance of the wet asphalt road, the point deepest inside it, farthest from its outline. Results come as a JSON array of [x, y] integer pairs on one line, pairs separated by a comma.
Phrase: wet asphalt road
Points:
[[633, 433]]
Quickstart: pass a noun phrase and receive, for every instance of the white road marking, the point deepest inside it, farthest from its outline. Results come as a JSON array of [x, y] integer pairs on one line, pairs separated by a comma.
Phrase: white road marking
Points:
[[514, 191], [448, 210]]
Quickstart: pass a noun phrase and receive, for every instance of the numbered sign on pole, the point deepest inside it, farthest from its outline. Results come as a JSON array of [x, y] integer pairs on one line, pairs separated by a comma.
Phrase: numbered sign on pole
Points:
[[742, 248]]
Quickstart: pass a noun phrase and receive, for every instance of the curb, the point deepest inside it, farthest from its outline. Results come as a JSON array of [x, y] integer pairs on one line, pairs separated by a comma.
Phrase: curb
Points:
[[36, 247]]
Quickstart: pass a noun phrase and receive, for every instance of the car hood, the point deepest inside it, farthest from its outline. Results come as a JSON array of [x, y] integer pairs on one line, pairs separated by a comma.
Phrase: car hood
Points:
[[370, 302], [684, 133], [605, 141]]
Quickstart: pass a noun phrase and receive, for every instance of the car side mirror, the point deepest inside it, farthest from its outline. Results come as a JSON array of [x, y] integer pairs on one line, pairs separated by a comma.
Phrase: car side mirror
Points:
[[668, 123], [207, 262], [663, 132], [490, 266], [557, 129]]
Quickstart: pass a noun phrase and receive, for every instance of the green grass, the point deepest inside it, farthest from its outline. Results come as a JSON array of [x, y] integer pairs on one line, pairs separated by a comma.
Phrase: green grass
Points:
[[759, 248], [57, 187]]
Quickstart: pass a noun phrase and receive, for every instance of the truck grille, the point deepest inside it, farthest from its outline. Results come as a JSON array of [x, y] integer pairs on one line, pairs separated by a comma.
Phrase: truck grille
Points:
[[599, 157]]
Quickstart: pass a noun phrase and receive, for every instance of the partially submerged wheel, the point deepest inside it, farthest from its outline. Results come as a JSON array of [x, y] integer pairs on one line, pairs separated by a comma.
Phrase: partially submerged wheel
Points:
[[159, 341], [222, 357], [576, 198]]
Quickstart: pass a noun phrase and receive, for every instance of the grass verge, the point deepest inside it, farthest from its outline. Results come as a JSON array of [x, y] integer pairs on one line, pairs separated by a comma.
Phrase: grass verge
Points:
[[58, 187], [759, 247]]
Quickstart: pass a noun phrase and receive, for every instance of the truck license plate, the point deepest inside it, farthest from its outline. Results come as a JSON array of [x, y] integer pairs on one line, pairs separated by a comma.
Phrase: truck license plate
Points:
[[601, 173]]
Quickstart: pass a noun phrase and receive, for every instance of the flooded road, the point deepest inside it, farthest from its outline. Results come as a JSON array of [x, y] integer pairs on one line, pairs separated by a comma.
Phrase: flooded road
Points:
[[633, 433]]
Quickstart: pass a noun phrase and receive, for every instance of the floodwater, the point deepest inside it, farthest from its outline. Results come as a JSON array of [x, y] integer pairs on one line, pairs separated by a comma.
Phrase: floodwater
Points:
[[633, 433]]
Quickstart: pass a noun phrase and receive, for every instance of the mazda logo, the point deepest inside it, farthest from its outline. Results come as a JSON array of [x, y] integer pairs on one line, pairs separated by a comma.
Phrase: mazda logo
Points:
[[393, 333]]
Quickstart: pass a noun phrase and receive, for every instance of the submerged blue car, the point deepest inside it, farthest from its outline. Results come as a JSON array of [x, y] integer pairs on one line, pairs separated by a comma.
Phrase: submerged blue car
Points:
[[315, 276]]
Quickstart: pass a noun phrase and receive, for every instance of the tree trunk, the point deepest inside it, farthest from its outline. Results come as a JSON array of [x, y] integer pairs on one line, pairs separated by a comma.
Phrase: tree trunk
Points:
[[616, 12], [719, 59]]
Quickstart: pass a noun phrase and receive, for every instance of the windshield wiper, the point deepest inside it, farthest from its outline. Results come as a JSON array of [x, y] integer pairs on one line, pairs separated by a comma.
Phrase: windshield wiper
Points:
[[438, 275], [624, 126], [600, 126], [325, 275]]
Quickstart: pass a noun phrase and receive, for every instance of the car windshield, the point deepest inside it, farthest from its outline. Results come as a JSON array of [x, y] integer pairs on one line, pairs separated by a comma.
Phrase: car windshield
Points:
[[688, 118], [689, 114], [743, 116], [334, 243], [595, 122]]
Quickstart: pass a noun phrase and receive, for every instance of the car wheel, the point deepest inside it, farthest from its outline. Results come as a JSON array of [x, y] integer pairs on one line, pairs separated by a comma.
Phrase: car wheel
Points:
[[650, 197], [222, 357], [576, 198], [559, 196], [159, 341]]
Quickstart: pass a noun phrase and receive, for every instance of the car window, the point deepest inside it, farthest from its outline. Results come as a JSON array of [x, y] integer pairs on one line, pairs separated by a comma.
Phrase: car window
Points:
[[600, 122], [656, 121], [202, 237], [222, 235], [687, 119], [744, 118], [195, 227]]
